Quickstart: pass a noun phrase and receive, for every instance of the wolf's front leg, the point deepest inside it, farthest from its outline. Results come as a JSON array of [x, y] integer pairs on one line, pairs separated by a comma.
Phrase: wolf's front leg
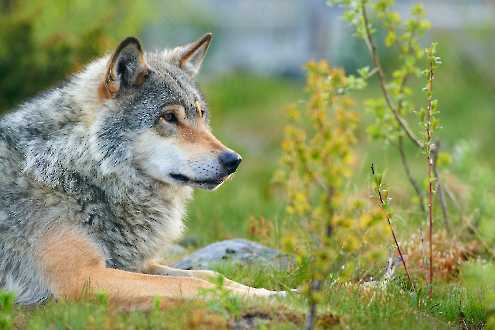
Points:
[[211, 276], [72, 265]]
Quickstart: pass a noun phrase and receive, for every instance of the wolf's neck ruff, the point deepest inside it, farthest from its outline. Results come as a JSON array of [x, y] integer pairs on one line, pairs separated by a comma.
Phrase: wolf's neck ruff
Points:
[[122, 207]]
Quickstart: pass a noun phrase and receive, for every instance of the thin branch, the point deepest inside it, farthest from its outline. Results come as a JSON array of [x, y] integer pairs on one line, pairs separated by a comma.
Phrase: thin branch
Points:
[[435, 148], [439, 186], [315, 285], [310, 321], [387, 216], [453, 198], [411, 178], [376, 61], [429, 155], [430, 224]]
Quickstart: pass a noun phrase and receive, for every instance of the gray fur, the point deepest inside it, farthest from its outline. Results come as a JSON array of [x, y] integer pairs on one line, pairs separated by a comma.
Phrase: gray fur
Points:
[[58, 170]]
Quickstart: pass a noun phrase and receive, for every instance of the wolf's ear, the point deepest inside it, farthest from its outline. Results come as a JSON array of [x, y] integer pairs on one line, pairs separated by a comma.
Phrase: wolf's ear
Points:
[[190, 56], [126, 68]]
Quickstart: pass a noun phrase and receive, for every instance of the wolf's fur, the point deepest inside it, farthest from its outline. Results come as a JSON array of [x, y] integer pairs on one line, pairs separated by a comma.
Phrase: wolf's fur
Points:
[[94, 180]]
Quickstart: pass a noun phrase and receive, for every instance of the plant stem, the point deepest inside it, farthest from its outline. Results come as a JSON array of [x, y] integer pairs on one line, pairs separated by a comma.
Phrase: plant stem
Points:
[[387, 216], [429, 155], [441, 193], [411, 178], [430, 225], [310, 321], [309, 324]]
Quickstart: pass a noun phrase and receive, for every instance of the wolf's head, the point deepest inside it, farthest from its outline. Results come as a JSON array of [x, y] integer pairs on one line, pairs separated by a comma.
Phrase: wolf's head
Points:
[[153, 108]]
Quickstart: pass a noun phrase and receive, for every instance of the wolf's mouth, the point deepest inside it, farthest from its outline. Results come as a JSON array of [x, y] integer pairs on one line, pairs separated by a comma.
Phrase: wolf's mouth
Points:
[[186, 180]]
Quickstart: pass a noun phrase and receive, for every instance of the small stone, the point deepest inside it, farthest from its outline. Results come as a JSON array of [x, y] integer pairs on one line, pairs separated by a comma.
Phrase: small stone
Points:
[[236, 251]]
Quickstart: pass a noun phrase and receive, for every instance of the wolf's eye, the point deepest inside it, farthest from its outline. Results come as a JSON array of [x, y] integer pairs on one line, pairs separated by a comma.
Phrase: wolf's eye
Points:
[[169, 117]]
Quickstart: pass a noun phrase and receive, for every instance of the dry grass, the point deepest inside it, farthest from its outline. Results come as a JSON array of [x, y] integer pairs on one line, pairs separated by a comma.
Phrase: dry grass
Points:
[[448, 252]]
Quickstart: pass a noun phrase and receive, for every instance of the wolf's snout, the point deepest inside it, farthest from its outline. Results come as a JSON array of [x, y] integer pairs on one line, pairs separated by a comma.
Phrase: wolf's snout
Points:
[[230, 160]]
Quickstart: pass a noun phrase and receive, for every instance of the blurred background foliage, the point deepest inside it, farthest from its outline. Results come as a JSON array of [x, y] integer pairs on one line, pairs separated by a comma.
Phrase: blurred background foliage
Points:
[[254, 71], [43, 41]]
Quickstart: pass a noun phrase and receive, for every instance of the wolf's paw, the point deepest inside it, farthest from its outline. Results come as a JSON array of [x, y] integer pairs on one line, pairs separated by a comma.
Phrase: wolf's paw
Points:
[[270, 293]]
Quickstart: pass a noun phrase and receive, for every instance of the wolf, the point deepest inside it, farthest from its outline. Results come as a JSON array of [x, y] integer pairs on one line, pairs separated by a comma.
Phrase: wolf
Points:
[[95, 176]]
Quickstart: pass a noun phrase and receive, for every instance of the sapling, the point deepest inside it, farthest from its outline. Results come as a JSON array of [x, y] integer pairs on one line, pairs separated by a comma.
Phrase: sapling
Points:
[[318, 156], [430, 122], [384, 203], [392, 111]]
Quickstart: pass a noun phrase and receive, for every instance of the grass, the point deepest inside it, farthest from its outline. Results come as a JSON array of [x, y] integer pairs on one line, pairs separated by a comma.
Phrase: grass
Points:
[[346, 306], [247, 115]]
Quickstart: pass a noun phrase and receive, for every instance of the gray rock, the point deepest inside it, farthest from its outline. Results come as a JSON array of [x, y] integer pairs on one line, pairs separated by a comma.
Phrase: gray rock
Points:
[[236, 251]]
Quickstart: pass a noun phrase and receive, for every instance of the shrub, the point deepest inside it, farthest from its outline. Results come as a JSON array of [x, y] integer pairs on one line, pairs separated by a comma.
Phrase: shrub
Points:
[[332, 231]]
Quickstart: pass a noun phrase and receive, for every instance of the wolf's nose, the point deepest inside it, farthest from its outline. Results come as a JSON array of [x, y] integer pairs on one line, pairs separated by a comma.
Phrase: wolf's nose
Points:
[[230, 160]]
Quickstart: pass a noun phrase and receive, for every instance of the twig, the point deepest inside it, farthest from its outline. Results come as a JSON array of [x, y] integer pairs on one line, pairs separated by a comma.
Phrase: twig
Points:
[[430, 224], [435, 148], [439, 186], [315, 285], [411, 178], [429, 154], [376, 61], [453, 198], [387, 216], [310, 321]]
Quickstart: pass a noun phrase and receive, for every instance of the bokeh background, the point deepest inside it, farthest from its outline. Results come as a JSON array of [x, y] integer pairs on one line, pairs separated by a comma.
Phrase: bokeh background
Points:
[[253, 71]]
